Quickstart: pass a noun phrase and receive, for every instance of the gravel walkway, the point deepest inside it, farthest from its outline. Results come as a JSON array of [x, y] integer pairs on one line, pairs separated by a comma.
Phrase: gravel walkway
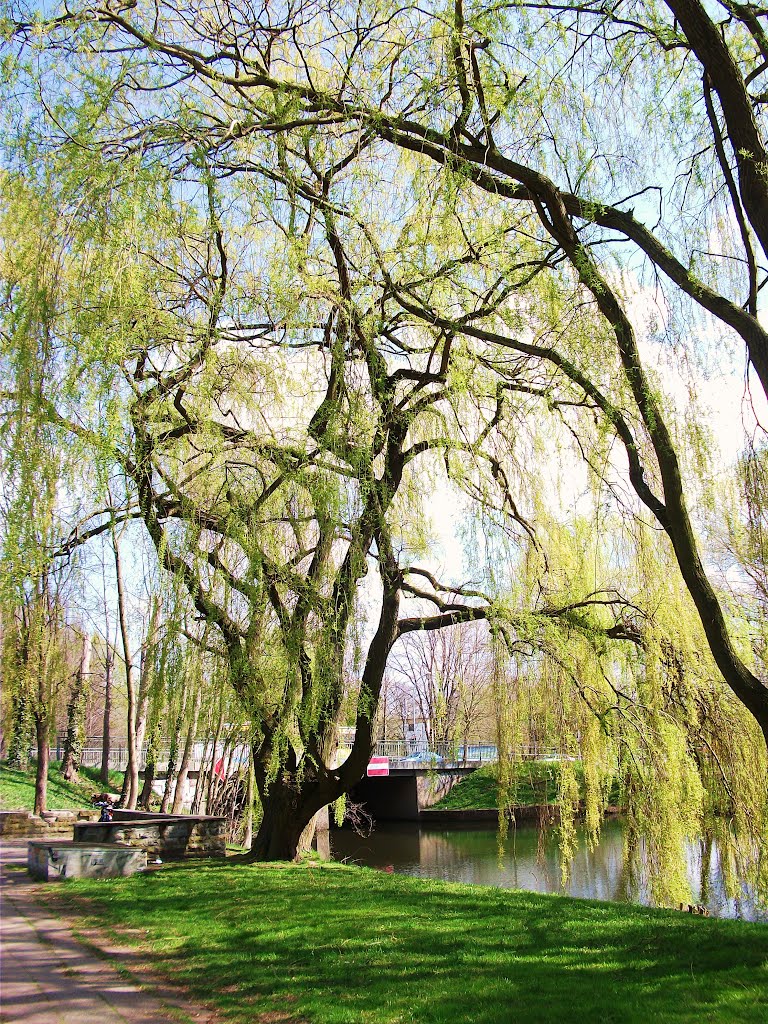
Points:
[[48, 976]]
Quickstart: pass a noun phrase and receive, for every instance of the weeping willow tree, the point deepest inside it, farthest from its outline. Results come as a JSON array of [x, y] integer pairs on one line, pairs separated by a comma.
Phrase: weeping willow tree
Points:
[[477, 91], [277, 422], [650, 725], [346, 269]]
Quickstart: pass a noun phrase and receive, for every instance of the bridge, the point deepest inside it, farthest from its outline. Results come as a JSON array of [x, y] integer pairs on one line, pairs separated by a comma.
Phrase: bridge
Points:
[[418, 775], [401, 755], [407, 789]]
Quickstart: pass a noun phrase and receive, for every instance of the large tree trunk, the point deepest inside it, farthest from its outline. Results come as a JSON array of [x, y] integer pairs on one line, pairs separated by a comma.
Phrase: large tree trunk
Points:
[[288, 825], [291, 801]]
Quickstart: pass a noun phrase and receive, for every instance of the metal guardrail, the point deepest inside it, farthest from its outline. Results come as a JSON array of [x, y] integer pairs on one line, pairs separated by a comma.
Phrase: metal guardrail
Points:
[[407, 754], [454, 754], [118, 758], [422, 755]]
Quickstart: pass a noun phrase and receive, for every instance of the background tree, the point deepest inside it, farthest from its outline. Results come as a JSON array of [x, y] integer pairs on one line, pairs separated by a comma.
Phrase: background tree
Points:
[[76, 711], [443, 679]]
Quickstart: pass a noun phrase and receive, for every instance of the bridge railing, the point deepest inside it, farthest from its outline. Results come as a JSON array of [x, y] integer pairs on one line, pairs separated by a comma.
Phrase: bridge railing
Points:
[[118, 757], [408, 754], [413, 754]]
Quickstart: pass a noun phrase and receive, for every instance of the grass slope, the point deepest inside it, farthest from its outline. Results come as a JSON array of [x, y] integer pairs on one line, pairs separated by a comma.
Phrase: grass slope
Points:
[[334, 944], [17, 788], [535, 782]]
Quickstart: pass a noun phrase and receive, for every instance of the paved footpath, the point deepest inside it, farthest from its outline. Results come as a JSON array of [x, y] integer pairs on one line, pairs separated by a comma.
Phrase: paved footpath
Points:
[[47, 976]]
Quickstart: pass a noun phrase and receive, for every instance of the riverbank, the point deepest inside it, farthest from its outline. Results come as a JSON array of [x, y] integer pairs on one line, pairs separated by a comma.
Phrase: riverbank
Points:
[[332, 944], [544, 814], [535, 785]]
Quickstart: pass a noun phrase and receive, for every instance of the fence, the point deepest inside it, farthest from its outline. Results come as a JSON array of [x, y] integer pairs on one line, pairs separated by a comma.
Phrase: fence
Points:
[[474, 754], [118, 756], [398, 752]]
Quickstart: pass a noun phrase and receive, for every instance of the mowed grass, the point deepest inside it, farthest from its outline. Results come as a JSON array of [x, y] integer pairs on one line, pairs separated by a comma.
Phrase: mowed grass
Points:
[[333, 944], [17, 788]]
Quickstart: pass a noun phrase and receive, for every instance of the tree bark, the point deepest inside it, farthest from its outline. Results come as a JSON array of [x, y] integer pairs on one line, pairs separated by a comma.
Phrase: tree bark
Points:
[[288, 825], [106, 721], [291, 801], [742, 126]]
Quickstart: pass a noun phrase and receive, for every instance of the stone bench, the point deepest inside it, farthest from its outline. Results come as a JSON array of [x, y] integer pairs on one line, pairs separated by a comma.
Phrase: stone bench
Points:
[[167, 836], [54, 860]]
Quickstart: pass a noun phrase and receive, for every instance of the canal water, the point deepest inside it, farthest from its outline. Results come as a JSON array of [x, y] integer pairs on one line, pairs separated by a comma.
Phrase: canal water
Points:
[[530, 861]]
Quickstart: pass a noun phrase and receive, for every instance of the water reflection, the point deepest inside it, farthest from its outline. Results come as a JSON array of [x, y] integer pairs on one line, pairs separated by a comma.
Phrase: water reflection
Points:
[[530, 861]]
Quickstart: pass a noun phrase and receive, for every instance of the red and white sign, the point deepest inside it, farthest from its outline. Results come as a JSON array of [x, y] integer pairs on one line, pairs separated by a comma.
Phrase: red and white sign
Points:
[[378, 766]]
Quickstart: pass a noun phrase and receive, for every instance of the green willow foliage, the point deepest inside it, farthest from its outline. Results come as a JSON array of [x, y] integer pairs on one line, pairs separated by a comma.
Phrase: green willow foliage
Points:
[[307, 263]]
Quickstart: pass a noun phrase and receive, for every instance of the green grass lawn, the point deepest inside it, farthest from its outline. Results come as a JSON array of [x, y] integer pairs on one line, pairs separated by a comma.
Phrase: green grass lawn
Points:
[[17, 788], [332, 944]]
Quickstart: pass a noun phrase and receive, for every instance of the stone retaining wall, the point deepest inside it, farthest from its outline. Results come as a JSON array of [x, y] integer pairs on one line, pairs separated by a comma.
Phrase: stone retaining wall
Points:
[[548, 814], [169, 837], [25, 823]]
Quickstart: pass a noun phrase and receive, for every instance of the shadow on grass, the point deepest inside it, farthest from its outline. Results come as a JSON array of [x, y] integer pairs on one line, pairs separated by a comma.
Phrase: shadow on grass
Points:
[[345, 945]]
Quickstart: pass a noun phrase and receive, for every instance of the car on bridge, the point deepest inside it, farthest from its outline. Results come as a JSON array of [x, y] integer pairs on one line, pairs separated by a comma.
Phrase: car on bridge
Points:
[[424, 758]]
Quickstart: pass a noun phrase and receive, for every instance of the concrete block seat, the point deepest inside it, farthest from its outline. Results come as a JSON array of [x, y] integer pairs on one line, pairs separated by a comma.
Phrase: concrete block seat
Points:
[[167, 836], [53, 859]]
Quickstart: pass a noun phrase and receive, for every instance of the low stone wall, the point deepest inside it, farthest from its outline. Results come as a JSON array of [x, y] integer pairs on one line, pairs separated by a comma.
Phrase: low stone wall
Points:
[[548, 814], [25, 823], [54, 860], [167, 836]]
